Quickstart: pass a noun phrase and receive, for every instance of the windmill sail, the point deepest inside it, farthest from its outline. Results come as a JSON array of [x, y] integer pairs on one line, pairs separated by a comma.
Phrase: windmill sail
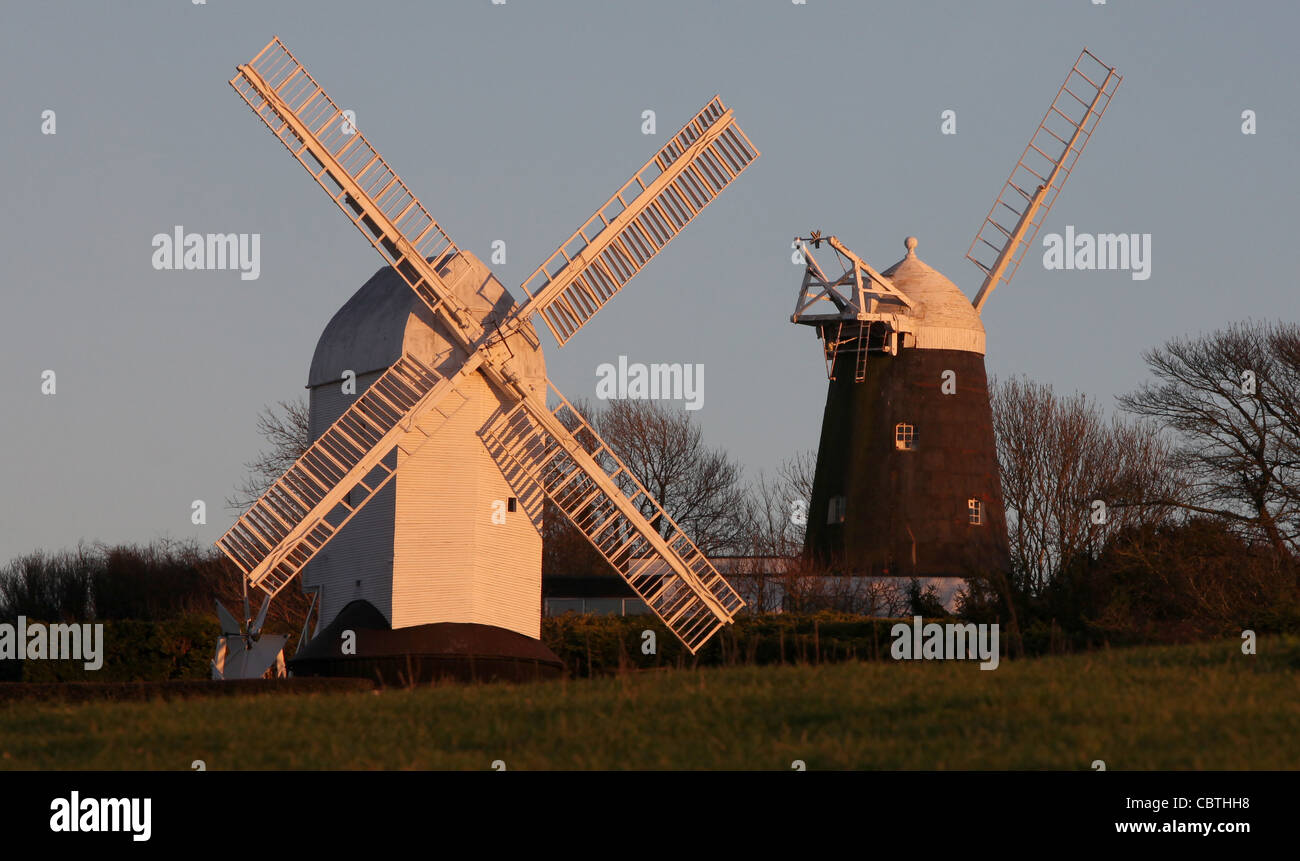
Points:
[[337, 475], [601, 497], [315, 131], [1028, 194], [639, 220]]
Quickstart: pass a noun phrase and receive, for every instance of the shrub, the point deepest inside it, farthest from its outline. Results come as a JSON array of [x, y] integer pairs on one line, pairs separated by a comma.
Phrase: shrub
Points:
[[140, 651]]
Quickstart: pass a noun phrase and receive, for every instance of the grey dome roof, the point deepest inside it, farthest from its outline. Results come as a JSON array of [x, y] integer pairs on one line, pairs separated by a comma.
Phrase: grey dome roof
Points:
[[385, 318], [368, 332], [945, 319]]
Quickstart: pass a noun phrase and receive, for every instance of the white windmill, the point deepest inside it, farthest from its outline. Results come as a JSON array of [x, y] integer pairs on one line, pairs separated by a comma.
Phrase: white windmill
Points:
[[451, 415]]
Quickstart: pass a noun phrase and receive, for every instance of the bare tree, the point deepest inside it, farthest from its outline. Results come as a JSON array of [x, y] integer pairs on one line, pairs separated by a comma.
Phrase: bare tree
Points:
[[777, 508], [699, 487], [797, 474], [287, 431], [1070, 478], [566, 552], [1283, 403], [776, 518], [1230, 399]]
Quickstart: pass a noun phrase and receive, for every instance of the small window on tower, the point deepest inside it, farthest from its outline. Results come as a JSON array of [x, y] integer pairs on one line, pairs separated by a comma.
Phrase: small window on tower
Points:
[[904, 437], [512, 504], [835, 511], [976, 512]]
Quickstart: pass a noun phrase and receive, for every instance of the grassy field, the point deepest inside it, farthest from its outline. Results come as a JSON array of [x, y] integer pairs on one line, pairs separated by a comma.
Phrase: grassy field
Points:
[[1185, 707]]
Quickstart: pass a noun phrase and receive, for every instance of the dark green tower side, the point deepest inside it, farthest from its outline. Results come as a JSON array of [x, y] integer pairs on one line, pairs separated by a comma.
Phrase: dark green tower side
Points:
[[907, 511]]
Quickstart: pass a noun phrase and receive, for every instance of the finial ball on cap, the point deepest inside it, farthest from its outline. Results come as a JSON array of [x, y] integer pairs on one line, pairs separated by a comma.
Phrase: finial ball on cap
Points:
[[910, 243]]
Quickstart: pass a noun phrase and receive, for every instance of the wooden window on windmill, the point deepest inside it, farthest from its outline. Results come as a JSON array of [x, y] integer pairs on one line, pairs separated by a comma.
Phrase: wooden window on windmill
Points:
[[835, 511], [976, 509], [904, 437]]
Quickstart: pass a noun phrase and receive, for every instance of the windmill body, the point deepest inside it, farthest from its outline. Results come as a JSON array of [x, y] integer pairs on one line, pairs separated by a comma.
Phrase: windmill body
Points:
[[906, 482], [900, 461], [439, 543]]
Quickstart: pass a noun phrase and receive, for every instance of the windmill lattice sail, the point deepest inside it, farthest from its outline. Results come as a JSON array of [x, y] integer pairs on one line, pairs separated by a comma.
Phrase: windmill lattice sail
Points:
[[1040, 173], [360, 182], [601, 497], [641, 218], [339, 472]]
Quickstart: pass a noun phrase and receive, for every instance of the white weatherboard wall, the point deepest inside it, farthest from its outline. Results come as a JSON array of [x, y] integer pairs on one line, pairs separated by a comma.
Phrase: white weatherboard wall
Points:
[[363, 551], [451, 562], [426, 548]]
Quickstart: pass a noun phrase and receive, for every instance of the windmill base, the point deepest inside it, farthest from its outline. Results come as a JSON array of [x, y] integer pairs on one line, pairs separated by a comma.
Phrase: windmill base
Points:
[[443, 651]]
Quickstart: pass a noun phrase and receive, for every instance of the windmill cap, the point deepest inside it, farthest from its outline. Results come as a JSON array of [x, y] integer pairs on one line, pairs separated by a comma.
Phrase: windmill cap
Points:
[[944, 318], [382, 321]]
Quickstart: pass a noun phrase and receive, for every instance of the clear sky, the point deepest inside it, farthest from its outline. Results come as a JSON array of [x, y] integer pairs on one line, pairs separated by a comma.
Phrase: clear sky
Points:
[[515, 122]]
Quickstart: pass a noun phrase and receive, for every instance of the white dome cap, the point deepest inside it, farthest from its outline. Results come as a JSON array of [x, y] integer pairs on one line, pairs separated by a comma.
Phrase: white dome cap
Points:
[[944, 318]]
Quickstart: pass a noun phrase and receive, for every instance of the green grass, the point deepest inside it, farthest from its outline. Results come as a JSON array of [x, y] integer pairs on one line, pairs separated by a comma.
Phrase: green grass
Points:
[[1183, 707]]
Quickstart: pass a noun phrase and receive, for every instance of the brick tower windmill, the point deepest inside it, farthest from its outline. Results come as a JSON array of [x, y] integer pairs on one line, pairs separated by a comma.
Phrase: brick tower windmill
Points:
[[906, 482]]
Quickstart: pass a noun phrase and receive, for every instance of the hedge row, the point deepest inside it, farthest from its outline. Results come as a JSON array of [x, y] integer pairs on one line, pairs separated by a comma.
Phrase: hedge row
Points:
[[181, 649], [135, 651], [595, 645]]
